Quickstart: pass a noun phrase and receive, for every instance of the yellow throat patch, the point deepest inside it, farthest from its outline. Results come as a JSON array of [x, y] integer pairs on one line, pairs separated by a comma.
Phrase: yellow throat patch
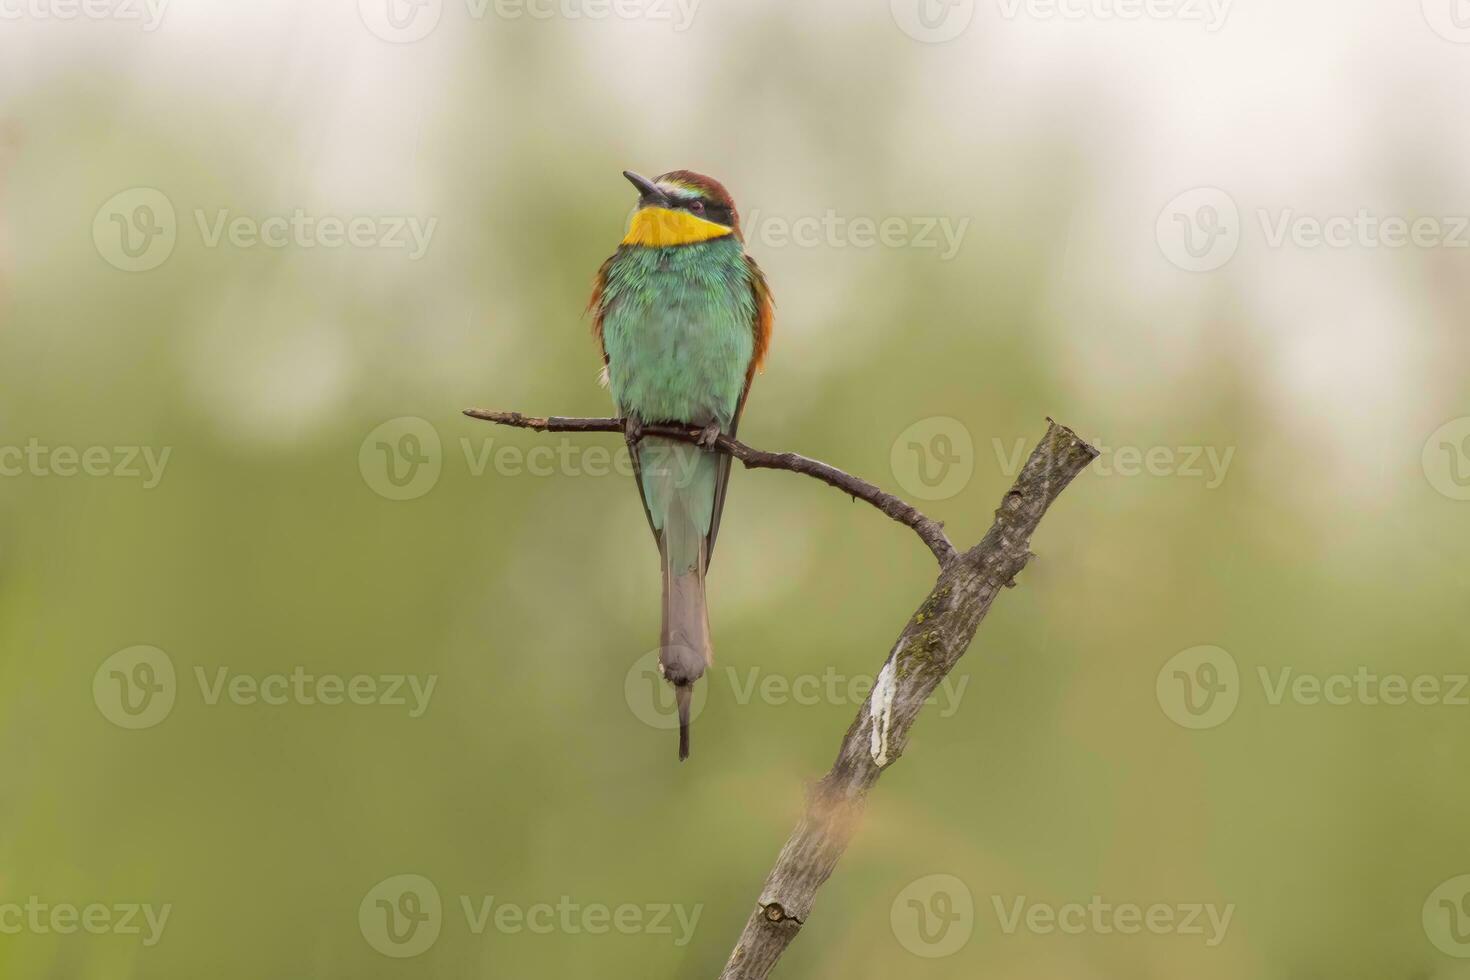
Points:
[[661, 227]]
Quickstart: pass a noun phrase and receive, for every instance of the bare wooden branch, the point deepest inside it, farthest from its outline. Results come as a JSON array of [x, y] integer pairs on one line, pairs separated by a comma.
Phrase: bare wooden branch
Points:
[[928, 648], [930, 531]]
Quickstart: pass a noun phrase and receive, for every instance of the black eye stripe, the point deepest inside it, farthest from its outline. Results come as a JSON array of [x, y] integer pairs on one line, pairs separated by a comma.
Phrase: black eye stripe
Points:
[[718, 213]]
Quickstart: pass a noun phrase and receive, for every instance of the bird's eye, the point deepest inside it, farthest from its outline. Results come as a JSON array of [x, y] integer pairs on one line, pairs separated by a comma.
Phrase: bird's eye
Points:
[[696, 207]]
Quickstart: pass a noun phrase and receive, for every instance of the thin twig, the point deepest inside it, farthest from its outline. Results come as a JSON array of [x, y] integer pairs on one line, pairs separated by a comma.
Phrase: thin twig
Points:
[[929, 530]]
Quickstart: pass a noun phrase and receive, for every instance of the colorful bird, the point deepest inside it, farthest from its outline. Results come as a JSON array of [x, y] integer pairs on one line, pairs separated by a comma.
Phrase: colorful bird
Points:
[[684, 319]]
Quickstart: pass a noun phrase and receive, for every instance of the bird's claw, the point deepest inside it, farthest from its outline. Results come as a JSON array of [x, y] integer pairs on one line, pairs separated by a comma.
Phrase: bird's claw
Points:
[[709, 436], [633, 430]]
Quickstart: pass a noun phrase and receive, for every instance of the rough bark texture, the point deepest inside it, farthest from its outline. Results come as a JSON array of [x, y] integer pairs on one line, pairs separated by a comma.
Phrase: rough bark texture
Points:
[[928, 648], [932, 532]]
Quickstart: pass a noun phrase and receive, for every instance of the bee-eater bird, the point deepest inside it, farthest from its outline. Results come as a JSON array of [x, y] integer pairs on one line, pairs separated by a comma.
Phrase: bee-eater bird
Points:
[[684, 319]]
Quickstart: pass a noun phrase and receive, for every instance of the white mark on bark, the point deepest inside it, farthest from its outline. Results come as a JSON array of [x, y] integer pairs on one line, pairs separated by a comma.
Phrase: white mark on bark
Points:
[[881, 704]]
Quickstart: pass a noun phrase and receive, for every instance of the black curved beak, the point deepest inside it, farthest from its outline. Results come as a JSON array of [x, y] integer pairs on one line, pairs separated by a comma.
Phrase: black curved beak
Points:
[[648, 193]]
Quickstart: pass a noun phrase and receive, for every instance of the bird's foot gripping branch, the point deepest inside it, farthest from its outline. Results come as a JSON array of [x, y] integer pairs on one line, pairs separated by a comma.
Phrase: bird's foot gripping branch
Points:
[[927, 649]]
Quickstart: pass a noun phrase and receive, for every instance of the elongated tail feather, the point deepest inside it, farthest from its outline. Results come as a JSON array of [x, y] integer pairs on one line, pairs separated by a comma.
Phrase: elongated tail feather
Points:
[[683, 696], [684, 650], [679, 488]]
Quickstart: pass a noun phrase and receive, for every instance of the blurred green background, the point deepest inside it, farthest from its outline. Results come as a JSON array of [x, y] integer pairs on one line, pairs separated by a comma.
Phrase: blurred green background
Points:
[[1332, 379]]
